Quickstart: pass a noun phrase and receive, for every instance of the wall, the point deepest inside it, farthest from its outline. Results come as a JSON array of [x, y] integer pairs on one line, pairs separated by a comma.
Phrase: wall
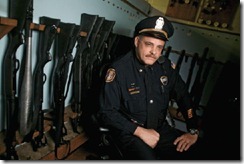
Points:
[[70, 11], [223, 46]]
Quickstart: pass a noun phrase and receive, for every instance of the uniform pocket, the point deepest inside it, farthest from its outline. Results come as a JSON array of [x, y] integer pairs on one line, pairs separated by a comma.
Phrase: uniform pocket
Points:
[[136, 104]]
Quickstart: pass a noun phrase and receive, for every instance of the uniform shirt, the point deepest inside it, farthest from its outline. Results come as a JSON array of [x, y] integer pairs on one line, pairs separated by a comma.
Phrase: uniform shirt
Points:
[[135, 94]]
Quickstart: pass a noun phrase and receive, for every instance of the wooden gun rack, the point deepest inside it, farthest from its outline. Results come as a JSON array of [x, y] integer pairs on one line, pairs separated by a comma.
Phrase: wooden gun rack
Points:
[[6, 25], [47, 152]]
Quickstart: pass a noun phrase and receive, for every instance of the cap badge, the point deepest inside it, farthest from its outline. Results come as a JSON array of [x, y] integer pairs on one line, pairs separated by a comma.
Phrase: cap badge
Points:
[[159, 23]]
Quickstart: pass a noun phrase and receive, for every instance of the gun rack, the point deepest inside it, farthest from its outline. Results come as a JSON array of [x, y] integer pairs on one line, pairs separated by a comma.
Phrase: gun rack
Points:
[[25, 151], [40, 27], [6, 25]]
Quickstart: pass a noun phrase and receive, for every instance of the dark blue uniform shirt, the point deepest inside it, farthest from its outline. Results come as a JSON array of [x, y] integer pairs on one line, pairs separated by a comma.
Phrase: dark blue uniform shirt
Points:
[[137, 95]]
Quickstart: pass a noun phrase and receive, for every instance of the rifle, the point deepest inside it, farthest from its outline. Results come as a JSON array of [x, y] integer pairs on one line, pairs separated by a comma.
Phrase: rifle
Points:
[[173, 94], [87, 56], [72, 43], [195, 87], [91, 48], [112, 44], [179, 61], [92, 69], [46, 39], [26, 80], [97, 54], [106, 43], [63, 57], [107, 58], [192, 66], [200, 88], [168, 50], [18, 11], [100, 35], [87, 23]]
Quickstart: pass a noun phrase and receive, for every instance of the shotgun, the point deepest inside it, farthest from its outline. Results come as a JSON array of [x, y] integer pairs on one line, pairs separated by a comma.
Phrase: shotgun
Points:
[[88, 55], [46, 39], [201, 85], [90, 50], [107, 57], [87, 23], [63, 57], [179, 61], [97, 54], [192, 66], [195, 87], [17, 10], [173, 94]]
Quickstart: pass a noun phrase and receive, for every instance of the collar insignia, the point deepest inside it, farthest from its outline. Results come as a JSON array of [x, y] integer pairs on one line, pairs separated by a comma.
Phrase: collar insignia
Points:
[[164, 80]]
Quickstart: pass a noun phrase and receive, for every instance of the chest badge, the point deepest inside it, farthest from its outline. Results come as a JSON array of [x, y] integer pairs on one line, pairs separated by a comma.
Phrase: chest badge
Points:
[[164, 80]]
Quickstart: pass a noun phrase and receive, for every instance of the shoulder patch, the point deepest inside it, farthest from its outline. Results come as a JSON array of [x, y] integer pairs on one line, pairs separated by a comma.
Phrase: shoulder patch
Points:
[[173, 65], [110, 75]]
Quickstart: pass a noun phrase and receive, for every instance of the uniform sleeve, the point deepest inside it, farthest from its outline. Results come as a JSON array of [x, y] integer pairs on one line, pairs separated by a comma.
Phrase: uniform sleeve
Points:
[[184, 100], [110, 104]]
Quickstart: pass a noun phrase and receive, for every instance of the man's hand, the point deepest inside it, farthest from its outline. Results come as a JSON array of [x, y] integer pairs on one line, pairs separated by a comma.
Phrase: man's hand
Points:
[[149, 136], [185, 141]]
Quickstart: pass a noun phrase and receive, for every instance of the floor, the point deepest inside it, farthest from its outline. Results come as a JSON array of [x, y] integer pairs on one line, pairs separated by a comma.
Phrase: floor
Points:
[[91, 151], [84, 152]]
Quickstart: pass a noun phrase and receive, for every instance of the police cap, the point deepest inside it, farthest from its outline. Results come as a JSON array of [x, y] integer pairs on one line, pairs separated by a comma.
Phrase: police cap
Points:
[[155, 26]]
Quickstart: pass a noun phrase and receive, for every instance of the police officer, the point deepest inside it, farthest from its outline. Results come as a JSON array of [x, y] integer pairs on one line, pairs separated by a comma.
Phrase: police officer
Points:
[[136, 93]]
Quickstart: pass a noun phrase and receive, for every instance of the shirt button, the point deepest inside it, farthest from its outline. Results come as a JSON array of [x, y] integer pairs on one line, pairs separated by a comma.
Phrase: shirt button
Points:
[[151, 101], [140, 70]]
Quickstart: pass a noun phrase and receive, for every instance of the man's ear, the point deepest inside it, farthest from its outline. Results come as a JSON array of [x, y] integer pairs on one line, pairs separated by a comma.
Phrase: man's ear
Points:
[[136, 40]]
